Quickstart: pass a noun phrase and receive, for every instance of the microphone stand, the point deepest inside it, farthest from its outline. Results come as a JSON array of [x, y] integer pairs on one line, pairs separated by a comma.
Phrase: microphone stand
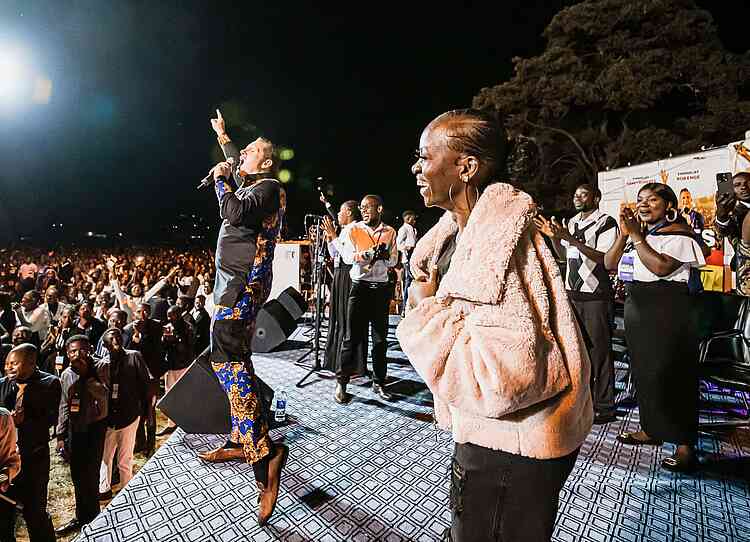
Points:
[[318, 275]]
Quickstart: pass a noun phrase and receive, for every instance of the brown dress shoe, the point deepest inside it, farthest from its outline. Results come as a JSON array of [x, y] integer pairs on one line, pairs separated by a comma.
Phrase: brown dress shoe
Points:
[[220, 455], [270, 492]]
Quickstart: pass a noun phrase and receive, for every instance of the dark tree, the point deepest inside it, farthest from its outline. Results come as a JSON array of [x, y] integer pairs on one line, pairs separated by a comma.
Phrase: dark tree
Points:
[[621, 81]]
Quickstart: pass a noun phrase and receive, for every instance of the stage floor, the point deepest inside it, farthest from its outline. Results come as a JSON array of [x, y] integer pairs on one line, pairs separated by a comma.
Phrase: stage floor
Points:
[[375, 471]]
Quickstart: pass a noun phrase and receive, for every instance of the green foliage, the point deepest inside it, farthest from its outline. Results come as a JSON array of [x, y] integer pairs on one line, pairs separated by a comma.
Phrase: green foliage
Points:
[[620, 81]]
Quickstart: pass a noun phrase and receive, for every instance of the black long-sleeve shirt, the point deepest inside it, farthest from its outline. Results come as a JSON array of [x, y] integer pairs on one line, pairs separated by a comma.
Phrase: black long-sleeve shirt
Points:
[[40, 405], [128, 388], [149, 344], [243, 212]]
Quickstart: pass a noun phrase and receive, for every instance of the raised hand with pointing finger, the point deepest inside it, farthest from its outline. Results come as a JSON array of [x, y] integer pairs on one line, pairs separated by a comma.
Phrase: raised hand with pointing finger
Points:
[[218, 125]]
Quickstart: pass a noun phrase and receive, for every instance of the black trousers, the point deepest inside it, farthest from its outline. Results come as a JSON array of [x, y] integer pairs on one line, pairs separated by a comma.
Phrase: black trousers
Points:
[[30, 490], [497, 496], [596, 317], [85, 449], [405, 283], [145, 437], [368, 305]]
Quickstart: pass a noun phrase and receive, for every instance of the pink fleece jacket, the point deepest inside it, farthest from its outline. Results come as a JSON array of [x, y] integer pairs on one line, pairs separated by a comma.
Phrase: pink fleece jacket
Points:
[[498, 345]]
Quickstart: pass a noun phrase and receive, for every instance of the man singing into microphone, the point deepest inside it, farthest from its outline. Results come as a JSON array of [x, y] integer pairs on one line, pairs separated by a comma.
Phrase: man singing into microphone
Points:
[[252, 216]]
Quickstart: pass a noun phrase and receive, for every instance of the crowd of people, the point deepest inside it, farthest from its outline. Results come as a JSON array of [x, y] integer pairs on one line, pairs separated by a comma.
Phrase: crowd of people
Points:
[[517, 355], [85, 338]]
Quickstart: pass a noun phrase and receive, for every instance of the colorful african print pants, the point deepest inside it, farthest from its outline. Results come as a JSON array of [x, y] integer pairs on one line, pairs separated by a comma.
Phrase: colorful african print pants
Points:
[[249, 422]]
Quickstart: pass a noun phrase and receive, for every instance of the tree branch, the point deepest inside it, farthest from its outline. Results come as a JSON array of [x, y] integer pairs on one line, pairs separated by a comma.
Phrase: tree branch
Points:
[[570, 136]]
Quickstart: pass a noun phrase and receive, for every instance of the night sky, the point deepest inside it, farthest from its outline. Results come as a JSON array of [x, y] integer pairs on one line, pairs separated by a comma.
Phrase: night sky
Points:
[[126, 135]]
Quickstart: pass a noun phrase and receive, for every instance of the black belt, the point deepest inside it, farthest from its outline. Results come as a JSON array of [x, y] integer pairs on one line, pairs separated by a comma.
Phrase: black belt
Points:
[[369, 284]]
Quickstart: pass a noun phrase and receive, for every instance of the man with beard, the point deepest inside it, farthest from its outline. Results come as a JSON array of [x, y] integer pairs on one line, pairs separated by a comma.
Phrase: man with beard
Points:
[[589, 235], [32, 396], [128, 403], [81, 426], [371, 247], [252, 218]]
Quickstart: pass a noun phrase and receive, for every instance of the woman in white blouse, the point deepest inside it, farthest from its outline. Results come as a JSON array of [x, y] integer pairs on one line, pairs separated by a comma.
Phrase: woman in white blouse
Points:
[[653, 255]]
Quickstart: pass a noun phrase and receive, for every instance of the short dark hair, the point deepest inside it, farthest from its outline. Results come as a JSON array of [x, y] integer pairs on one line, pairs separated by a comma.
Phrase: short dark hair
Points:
[[591, 188], [408, 212], [375, 197], [353, 208], [77, 338], [742, 174], [684, 190], [112, 330], [27, 350]]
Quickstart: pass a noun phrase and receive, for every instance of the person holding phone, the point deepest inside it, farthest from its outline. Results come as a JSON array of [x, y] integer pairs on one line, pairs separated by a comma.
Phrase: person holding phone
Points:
[[731, 222]]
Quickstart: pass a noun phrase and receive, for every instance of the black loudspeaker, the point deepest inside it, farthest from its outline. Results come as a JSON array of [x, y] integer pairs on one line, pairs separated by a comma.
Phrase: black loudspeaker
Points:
[[293, 301], [212, 416], [273, 325]]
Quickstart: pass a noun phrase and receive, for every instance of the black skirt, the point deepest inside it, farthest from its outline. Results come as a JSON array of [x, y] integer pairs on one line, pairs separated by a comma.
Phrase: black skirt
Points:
[[661, 331], [342, 284]]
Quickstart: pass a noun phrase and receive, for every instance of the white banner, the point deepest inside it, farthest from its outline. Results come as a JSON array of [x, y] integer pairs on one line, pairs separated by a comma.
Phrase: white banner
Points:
[[693, 177]]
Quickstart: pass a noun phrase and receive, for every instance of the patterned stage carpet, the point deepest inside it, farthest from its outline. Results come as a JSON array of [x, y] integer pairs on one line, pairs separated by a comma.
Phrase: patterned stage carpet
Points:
[[379, 471]]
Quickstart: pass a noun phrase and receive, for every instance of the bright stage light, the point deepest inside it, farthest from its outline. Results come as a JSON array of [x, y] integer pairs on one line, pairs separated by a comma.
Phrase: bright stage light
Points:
[[14, 76]]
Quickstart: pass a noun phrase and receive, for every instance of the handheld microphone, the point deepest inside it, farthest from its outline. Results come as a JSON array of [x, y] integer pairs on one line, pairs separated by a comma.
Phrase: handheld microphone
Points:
[[208, 179]]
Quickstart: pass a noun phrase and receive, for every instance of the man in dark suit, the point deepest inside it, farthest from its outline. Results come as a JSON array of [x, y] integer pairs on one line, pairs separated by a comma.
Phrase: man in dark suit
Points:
[[33, 398]]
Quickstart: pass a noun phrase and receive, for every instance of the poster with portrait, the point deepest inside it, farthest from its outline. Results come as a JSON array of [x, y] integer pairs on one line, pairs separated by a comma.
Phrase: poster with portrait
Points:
[[693, 177]]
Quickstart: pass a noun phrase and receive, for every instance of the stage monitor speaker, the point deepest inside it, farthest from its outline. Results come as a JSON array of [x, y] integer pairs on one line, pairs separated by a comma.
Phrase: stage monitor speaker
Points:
[[293, 301], [212, 415], [272, 326]]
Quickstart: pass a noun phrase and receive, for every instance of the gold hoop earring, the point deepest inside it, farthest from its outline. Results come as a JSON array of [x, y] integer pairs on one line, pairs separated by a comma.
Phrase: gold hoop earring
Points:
[[450, 194], [674, 216]]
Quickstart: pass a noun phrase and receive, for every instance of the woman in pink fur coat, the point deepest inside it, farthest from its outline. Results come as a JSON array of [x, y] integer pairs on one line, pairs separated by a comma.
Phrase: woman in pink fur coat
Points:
[[493, 335]]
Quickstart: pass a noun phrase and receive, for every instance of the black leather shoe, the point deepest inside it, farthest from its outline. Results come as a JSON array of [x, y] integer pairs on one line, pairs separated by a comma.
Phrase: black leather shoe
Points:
[[72, 525], [106, 496], [632, 440], [380, 391], [340, 395], [167, 430]]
